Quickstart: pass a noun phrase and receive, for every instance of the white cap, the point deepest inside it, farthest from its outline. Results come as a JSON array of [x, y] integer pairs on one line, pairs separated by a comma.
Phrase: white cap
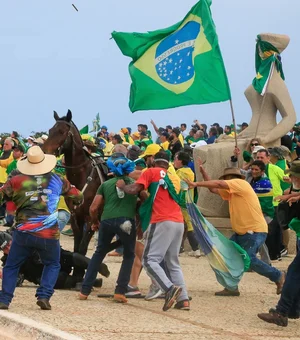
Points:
[[44, 137], [257, 148], [199, 143]]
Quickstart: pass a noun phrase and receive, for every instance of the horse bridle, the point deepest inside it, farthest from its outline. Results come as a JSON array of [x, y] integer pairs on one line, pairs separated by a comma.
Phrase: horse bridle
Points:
[[71, 135]]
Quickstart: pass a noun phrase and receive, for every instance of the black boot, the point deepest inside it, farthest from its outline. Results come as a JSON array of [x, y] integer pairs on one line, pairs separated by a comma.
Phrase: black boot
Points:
[[44, 304]]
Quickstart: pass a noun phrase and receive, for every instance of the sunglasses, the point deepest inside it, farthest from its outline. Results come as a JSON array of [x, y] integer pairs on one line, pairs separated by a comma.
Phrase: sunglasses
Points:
[[254, 144]]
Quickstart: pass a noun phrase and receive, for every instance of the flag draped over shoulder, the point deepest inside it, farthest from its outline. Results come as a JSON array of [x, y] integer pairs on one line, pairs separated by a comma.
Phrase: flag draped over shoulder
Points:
[[146, 208], [227, 259], [176, 66]]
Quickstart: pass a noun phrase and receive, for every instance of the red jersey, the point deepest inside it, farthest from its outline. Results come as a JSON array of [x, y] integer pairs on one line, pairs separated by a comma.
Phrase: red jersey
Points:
[[164, 207]]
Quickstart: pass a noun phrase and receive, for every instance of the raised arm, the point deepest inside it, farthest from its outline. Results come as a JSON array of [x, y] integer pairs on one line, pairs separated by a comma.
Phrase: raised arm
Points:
[[154, 127]]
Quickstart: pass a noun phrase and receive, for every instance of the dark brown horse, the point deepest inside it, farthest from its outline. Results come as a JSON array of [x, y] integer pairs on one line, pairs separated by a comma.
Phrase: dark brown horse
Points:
[[82, 170]]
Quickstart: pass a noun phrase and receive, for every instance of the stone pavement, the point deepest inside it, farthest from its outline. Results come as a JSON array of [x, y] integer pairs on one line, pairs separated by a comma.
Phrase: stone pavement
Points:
[[210, 317]]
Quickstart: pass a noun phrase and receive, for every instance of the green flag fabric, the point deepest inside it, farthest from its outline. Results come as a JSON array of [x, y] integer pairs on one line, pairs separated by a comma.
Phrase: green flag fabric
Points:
[[84, 130], [176, 66], [266, 54]]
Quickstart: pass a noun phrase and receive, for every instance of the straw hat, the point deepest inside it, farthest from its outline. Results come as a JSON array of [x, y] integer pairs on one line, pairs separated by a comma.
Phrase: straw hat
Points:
[[39, 141], [232, 171], [36, 162]]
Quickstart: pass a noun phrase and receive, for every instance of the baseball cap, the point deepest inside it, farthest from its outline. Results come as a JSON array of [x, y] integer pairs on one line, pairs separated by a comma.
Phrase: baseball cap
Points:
[[257, 148], [104, 127], [136, 134], [151, 150], [215, 124]]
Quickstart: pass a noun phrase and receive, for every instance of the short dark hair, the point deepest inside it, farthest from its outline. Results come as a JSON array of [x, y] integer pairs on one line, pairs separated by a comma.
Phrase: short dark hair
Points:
[[162, 158], [265, 151], [228, 127], [165, 134], [118, 138], [19, 147], [176, 131], [213, 130], [168, 127], [184, 157], [204, 127], [260, 164], [220, 130], [183, 124], [16, 134]]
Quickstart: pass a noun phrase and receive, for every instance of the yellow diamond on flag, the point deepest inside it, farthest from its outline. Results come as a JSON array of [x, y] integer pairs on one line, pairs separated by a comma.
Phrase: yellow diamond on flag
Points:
[[259, 76]]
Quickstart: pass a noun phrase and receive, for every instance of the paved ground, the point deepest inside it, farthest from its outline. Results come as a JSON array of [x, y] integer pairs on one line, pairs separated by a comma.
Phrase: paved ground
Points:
[[210, 317]]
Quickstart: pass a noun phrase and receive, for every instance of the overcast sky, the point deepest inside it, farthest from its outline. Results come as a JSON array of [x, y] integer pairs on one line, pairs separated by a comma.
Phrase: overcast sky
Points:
[[54, 58]]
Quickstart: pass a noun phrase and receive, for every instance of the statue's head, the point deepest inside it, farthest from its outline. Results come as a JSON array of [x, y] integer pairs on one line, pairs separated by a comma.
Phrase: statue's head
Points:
[[280, 41]]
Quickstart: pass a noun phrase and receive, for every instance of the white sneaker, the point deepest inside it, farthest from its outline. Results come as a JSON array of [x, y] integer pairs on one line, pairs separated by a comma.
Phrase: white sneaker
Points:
[[195, 253], [154, 292]]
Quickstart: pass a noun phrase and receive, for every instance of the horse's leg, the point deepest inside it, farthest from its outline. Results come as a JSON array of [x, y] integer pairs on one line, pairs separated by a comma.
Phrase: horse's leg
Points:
[[77, 233], [78, 273], [87, 235]]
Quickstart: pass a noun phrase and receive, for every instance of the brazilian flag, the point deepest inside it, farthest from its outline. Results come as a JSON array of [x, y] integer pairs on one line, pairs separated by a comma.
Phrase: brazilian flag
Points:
[[176, 66]]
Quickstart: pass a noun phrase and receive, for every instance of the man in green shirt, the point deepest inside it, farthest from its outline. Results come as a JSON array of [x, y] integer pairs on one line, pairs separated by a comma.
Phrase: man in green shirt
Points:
[[18, 152], [118, 218]]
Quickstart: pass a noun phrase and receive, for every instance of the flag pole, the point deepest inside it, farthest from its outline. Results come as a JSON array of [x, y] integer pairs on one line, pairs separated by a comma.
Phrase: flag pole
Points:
[[234, 126], [233, 121]]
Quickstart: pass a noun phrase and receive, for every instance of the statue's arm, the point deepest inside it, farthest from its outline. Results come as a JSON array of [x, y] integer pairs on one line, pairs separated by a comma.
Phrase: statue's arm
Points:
[[284, 105]]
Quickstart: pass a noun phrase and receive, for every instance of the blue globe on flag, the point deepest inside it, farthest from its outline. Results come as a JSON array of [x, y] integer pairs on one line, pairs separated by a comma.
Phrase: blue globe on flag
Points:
[[174, 54]]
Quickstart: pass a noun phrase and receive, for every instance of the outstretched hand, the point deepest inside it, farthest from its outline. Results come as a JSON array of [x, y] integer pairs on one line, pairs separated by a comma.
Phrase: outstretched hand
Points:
[[293, 200], [191, 185], [281, 198]]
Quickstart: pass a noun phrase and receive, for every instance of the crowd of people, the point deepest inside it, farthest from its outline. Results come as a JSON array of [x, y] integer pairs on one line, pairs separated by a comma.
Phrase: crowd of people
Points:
[[143, 205]]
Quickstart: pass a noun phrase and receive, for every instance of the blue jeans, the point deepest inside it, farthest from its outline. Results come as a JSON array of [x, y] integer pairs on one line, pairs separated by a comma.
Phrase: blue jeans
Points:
[[108, 229], [251, 243], [22, 246], [289, 303]]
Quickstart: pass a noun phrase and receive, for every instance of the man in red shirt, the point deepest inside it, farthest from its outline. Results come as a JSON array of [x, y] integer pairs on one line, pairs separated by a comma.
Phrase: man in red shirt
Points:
[[165, 229]]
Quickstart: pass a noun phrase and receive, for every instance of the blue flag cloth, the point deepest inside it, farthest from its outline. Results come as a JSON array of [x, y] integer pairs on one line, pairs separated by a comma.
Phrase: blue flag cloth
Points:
[[120, 165], [227, 259]]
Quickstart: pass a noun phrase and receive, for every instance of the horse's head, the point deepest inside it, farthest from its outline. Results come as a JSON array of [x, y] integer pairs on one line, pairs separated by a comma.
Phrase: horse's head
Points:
[[59, 134]]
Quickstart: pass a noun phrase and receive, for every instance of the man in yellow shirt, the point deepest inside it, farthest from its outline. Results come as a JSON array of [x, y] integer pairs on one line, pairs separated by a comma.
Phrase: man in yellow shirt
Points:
[[164, 138], [247, 221], [5, 159]]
